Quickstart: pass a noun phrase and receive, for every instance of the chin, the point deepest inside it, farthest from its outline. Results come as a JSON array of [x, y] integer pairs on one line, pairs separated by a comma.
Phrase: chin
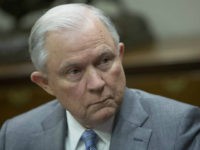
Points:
[[102, 116]]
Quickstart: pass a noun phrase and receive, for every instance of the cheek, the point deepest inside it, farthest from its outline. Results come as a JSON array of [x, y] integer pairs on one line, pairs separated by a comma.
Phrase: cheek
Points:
[[69, 93], [73, 91], [72, 98]]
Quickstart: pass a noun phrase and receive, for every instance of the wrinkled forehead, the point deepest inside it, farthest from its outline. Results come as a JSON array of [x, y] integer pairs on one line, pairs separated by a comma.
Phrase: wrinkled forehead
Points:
[[90, 33], [91, 40]]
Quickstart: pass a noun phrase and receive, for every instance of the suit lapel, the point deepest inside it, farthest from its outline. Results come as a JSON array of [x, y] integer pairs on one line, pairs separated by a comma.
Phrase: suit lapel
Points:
[[128, 132], [54, 131]]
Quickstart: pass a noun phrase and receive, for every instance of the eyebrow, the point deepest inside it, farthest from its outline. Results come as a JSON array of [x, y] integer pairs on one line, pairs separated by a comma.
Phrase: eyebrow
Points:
[[66, 65], [106, 53]]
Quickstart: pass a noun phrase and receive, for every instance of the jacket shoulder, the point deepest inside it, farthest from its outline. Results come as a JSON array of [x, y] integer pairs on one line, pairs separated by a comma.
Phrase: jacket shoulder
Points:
[[32, 118], [174, 123], [153, 103]]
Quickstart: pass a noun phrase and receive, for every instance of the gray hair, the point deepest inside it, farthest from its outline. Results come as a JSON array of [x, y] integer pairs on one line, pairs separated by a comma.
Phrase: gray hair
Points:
[[67, 16]]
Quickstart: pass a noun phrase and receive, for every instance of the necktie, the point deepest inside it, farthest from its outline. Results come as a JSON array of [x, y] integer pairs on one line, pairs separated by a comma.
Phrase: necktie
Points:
[[90, 138]]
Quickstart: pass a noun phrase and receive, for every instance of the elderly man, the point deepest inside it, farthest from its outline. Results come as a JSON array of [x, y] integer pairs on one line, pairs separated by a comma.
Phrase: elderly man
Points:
[[78, 58]]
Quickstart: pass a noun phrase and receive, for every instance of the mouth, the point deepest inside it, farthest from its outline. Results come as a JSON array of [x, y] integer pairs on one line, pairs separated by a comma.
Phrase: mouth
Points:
[[103, 100]]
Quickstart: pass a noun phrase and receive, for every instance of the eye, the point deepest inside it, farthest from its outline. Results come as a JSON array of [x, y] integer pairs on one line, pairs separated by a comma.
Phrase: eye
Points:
[[106, 62], [74, 73]]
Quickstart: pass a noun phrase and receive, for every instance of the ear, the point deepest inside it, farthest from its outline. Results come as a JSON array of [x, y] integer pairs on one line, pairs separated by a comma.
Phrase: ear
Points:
[[40, 79], [121, 50]]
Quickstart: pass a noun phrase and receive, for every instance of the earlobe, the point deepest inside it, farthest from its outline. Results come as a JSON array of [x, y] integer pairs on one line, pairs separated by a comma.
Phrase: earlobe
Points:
[[41, 80]]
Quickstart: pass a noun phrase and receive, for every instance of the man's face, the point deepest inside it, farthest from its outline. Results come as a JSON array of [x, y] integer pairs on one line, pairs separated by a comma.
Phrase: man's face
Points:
[[85, 73]]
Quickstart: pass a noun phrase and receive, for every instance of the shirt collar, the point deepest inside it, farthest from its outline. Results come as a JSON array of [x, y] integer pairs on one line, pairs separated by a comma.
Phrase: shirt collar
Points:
[[75, 130]]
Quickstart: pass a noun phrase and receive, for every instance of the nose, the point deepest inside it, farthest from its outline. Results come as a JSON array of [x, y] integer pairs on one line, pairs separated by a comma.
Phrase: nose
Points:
[[95, 81]]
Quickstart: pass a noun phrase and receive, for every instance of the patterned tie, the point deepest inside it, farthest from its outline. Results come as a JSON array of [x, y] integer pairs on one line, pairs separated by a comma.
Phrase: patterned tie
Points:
[[90, 138]]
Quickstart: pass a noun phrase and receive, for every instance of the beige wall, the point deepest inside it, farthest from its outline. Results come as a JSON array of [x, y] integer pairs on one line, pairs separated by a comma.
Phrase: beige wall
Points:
[[169, 18]]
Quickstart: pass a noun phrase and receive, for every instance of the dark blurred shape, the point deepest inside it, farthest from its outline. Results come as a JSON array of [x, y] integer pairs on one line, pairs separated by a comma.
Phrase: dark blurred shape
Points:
[[89, 1], [19, 8], [14, 49], [14, 45], [133, 28]]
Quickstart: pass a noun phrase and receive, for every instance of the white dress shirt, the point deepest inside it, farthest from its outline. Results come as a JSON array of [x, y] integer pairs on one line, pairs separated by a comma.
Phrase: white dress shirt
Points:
[[75, 131]]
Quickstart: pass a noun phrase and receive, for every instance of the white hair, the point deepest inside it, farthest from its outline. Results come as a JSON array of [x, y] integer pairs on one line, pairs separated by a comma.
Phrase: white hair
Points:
[[67, 16]]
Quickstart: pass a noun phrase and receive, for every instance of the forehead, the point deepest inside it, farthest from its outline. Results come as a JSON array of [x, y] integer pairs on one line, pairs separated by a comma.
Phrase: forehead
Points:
[[91, 32], [63, 44]]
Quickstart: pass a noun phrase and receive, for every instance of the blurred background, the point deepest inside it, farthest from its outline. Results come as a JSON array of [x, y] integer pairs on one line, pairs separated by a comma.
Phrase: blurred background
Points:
[[162, 40]]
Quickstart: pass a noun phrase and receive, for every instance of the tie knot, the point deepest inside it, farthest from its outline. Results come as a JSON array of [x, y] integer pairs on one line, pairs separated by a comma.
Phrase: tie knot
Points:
[[90, 138]]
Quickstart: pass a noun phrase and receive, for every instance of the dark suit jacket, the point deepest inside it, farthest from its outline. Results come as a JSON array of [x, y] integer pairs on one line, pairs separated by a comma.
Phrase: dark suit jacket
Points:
[[144, 122]]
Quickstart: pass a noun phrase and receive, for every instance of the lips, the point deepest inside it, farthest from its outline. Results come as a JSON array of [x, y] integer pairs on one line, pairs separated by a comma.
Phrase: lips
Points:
[[102, 101]]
